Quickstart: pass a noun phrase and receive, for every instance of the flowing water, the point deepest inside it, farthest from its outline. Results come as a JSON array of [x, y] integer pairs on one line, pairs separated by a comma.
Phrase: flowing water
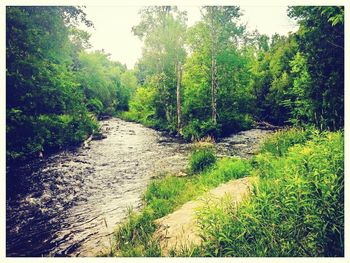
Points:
[[69, 203]]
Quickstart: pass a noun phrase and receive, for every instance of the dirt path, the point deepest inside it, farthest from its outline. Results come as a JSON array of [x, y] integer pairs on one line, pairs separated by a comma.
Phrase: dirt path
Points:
[[179, 229]]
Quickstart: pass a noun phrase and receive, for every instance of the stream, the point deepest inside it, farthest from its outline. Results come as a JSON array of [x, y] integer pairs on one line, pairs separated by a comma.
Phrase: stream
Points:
[[68, 204]]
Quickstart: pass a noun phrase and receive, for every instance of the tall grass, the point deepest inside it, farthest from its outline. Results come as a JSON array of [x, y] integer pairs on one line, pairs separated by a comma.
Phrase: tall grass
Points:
[[279, 143], [297, 209]]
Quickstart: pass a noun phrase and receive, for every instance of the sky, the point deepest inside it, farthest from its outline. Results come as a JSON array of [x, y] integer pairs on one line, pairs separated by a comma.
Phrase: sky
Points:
[[113, 27]]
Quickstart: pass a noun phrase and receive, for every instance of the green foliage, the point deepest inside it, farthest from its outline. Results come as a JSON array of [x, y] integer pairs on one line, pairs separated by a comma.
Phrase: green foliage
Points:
[[299, 79], [55, 91], [143, 108], [162, 28], [52, 84], [215, 37], [302, 111], [44, 106], [295, 79], [321, 42], [101, 80], [197, 129], [57, 131], [95, 105], [272, 77], [296, 209], [279, 143], [202, 159]]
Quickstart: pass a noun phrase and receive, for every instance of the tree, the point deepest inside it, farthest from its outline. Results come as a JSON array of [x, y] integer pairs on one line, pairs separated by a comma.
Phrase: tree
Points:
[[273, 78], [321, 42], [163, 30], [178, 97], [221, 25], [43, 97], [216, 60]]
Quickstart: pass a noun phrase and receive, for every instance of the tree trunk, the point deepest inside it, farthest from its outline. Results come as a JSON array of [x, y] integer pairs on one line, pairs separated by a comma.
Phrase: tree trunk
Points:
[[178, 96], [213, 88], [214, 42]]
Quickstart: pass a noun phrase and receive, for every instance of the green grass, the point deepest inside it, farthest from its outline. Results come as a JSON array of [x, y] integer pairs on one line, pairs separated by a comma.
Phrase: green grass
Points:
[[296, 209]]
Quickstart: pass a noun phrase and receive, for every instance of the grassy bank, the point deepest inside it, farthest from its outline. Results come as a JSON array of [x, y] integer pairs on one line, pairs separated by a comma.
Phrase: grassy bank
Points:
[[296, 209], [166, 194]]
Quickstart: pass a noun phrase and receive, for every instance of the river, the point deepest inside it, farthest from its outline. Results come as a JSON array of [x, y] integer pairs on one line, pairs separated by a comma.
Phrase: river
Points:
[[69, 203]]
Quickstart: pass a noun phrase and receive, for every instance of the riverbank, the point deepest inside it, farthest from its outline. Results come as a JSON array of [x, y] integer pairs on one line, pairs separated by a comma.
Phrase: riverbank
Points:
[[296, 209]]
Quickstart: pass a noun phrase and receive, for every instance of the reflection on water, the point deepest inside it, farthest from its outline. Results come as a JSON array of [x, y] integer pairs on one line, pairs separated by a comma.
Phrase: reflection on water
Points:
[[67, 204]]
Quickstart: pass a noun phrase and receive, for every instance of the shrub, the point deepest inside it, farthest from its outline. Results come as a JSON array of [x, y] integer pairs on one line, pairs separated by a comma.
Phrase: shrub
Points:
[[197, 129], [232, 122], [95, 105], [201, 159]]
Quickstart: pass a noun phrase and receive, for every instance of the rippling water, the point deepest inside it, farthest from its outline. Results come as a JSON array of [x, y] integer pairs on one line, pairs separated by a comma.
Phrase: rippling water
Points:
[[59, 206], [69, 203]]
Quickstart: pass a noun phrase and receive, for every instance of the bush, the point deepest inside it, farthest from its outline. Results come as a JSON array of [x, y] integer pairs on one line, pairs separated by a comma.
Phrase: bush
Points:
[[142, 109], [95, 105], [201, 159], [197, 129], [232, 122]]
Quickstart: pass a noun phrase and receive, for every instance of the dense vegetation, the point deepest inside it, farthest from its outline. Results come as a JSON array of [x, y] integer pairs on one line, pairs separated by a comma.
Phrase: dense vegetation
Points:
[[231, 77], [55, 89], [297, 209]]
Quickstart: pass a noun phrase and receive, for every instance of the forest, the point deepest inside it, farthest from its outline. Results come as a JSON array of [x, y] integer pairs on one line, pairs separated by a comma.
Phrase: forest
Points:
[[213, 78], [209, 80]]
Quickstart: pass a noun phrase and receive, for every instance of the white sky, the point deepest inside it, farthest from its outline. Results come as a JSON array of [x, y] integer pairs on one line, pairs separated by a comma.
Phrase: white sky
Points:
[[113, 27]]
